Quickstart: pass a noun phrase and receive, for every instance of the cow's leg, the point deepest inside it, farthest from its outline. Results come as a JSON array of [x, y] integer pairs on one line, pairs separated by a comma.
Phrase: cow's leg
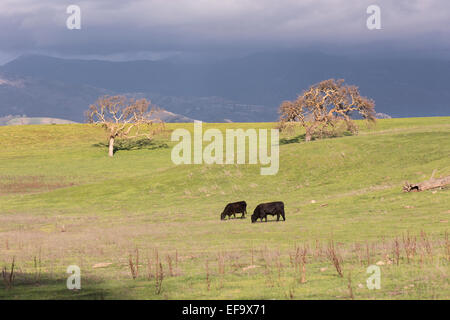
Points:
[[278, 217], [266, 217]]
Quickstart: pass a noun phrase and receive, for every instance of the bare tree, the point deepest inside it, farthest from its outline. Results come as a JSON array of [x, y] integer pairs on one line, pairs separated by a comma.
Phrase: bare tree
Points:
[[324, 105], [124, 118]]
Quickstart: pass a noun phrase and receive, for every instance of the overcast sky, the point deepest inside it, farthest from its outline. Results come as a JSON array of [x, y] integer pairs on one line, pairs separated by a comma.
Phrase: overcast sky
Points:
[[135, 29]]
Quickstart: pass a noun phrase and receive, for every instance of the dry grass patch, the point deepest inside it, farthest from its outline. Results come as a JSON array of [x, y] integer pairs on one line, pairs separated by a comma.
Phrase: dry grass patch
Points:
[[30, 184]]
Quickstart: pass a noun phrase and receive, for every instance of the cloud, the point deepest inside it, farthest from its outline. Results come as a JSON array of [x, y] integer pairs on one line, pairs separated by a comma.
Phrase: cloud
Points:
[[118, 27]]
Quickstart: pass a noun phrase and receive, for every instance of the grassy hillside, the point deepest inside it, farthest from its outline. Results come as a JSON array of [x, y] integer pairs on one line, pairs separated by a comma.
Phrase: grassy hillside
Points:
[[64, 202]]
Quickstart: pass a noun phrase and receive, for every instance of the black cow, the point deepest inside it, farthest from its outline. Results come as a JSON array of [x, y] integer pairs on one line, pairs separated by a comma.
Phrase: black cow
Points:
[[272, 208], [232, 208]]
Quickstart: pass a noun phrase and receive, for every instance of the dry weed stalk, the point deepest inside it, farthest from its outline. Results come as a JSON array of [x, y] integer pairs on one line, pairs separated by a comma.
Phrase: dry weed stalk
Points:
[[134, 266], [334, 258], [208, 283], [252, 256], [156, 257], [279, 266], [397, 250], [149, 269], [409, 244], [159, 277], [267, 268], [221, 263], [300, 262], [137, 262], [37, 267], [349, 286], [358, 253], [318, 249], [169, 263], [421, 257], [291, 293], [8, 277], [386, 247], [426, 243], [447, 246], [367, 253], [221, 267]]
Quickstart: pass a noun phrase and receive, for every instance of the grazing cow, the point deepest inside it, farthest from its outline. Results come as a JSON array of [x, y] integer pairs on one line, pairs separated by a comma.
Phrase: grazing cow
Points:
[[272, 208], [232, 208]]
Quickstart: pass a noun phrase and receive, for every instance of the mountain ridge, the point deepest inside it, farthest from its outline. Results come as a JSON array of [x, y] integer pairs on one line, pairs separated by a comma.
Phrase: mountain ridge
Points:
[[244, 89]]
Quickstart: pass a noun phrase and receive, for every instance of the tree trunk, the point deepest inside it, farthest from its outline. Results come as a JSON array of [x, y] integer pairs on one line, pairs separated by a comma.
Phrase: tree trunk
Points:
[[308, 134], [111, 147], [307, 137], [309, 131], [426, 185]]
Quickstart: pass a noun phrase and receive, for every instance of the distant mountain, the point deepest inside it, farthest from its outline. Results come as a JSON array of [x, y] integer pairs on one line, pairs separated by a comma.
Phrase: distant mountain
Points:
[[35, 99], [213, 109], [39, 97], [45, 98], [243, 89], [168, 116]]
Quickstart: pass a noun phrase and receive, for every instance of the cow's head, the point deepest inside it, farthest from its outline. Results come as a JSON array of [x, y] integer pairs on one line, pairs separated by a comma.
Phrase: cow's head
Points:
[[222, 216], [255, 214]]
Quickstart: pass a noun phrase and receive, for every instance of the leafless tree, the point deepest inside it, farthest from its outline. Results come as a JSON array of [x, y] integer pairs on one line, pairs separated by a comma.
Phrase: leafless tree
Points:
[[124, 118], [324, 105]]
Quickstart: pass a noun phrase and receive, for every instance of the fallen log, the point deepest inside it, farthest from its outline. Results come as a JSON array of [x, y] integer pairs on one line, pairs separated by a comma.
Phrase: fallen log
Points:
[[426, 185]]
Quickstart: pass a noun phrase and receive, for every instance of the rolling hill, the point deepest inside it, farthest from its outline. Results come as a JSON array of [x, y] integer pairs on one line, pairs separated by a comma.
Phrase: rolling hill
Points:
[[64, 202]]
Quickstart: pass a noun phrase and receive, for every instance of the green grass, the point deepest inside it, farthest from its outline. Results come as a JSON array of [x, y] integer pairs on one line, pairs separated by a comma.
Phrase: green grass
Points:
[[63, 199]]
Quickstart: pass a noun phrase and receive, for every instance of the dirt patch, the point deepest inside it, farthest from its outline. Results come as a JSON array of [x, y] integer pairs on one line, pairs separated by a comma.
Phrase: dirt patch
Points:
[[29, 184]]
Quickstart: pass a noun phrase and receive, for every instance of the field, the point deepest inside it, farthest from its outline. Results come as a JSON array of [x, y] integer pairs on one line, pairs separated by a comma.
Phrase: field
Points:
[[140, 227]]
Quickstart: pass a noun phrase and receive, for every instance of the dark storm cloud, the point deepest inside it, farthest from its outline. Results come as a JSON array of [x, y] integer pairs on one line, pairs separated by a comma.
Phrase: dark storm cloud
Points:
[[116, 27]]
